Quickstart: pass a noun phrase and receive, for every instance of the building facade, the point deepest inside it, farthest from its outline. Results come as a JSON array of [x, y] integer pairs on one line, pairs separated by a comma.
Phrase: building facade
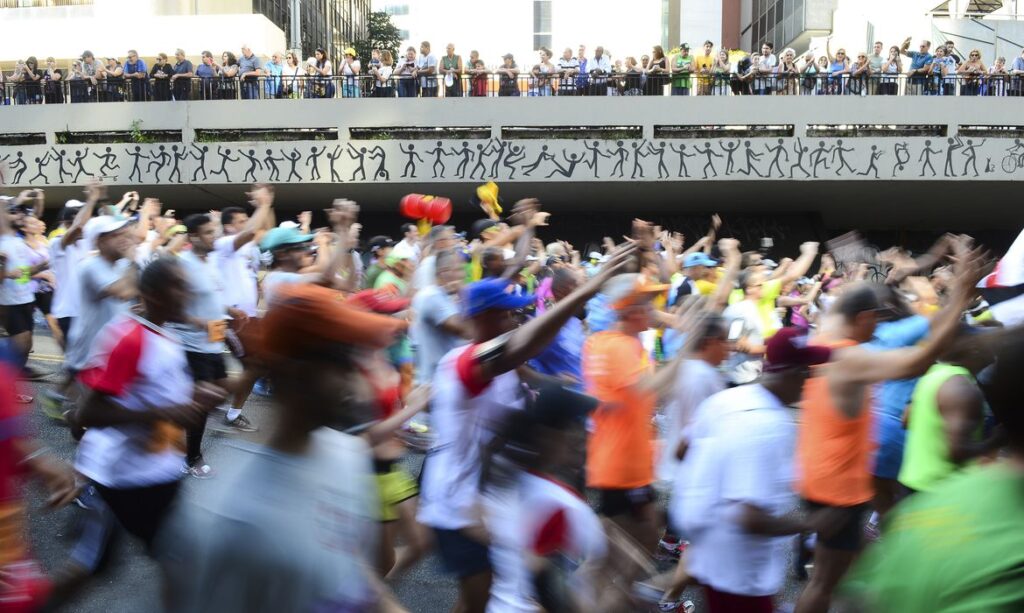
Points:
[[330, 24]]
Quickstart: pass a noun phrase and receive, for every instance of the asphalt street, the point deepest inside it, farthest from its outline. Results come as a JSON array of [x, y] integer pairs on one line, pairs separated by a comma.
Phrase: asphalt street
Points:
[[130, 582]]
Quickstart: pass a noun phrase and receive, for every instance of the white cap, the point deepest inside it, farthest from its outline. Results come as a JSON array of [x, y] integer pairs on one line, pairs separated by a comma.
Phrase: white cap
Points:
[[74, 204], [508, 254], [287, 224], [98, 226], [595, 255]]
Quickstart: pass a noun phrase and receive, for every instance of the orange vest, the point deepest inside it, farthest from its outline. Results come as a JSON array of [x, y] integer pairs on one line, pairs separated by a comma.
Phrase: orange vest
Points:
[[834, 451]]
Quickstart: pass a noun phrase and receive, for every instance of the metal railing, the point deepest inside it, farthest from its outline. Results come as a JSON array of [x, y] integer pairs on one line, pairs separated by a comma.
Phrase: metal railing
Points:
[[127, 89]]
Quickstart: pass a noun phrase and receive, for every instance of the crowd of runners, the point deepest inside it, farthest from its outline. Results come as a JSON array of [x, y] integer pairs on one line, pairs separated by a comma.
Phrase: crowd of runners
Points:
[[589, 419]]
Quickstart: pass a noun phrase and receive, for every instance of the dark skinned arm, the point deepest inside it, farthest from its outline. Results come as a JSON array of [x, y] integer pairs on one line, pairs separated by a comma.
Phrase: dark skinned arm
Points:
[[961, 405]]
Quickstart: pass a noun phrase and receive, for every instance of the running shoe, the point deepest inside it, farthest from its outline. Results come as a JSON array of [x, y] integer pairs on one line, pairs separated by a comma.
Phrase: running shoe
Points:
[[240, 424], [261, 387], [199, 471], [677, 606], [53, 405], [871, 532], [30, 374]]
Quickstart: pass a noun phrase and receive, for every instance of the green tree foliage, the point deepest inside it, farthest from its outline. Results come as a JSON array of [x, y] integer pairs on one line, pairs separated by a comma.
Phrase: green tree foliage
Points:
[[380, 34]]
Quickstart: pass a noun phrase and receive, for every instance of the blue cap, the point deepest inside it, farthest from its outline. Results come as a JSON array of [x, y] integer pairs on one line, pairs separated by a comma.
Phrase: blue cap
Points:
[[493, 294], [277, 238], [698, 259]]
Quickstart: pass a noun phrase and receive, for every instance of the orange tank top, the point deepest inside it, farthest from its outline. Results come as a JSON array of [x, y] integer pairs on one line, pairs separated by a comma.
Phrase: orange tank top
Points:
[[834, 451]]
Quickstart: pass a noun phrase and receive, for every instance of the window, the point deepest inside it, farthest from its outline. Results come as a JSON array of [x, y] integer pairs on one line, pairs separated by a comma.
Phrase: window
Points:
[[541, 40], [397, 9], [541, 24]]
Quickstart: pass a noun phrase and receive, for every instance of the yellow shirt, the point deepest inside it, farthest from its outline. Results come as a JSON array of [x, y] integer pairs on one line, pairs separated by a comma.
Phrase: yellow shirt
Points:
[[705, 62]]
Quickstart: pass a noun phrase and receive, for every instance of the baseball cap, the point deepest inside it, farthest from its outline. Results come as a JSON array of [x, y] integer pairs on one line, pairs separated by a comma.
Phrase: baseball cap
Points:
[[488, 294], [394, 258], [685, 46], [698, 259], [788, 349], [629, 289], [287, 224], [481, 226], [74, 204], [556, 406], [306, 320], [278, 238], [380, 242], [350, 51], [104, 224]]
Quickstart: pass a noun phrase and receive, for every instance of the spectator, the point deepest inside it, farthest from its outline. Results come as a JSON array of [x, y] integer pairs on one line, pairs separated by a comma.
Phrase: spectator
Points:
[[657, 71], [452, 69], [27, 76], [720, 72], [633, 82], [53, 92], [181, 80], [952, 54], [78, 84], [768, 54], [324, 87], [838, 68], [786, 74], [599, 68], [406, 72], [739, 81], [860, 70], [891, 69], [1017, 75], [583, 79], [810, 72], [762, 71], [995, 84], [206, 71], [249, 67], [350, 69], [508, 76], [382, 76], [112, 89], [291, 76], [920, 62], [568, 68], [540, 84], [227, 88], [426, 69], [875, 60], [682, 68], [272, 71], [705, 68], [161, 74], [972, 72], [479, 74], [941, 67], [92, 71], [138, 76]]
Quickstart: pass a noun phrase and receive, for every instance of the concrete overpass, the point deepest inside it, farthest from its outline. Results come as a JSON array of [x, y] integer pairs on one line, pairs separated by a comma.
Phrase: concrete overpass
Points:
[[920, 163]]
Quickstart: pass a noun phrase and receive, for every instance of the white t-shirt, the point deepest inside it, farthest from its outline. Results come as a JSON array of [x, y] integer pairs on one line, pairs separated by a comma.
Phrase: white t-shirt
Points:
[[742, 445], [405, 249], [64, 263], [206, 302], [139, 366], [240, 268], [743, 367], [427, 61], [96, 309], [431, 307], [15, 291], [274, 280], [544, 518], [426, 273], [698, 382], [383, 74], [465, 414], [280, 532]]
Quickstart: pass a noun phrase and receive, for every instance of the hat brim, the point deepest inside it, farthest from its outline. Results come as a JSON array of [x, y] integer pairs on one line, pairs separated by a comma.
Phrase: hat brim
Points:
[[505, 302], [811, 355], [291, 242], [640, 295]]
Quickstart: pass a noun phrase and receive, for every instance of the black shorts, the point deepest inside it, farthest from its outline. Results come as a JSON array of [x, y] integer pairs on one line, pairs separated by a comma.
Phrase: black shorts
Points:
[[612, 502], [18, 318], [64, 323], [461, 555], [849, 535], [207, 366], [141, 510], [43, 302]]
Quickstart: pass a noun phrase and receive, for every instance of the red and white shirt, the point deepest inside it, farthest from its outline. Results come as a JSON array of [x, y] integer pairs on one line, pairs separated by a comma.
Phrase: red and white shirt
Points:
[[540, 517], [465, 413], [140, 367]]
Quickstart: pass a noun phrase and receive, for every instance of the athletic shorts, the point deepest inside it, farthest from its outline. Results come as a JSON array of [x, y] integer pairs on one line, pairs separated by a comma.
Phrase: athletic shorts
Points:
[[141, 510], [461, 555], [206, 366], [64, 323], [612, 502], [43, 302], [848, 537], [17, 318], [724, 602], [394, 486]]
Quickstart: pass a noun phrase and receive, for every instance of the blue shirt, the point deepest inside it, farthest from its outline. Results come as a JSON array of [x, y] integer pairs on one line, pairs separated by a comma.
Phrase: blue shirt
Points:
[[893, 396], [273, 82], [138, 66], [205, 71], [183, 67], [248, 64], [562, 358], [919, 60], [600, 316]]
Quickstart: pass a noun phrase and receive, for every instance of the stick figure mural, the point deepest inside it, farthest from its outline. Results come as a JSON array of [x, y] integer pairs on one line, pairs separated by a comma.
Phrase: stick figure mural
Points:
[[294, 157], [467, 156], [178, 155], [543, 157], [953, 144], [875, 155], [711, 154], [58, 156], [438, 152], [481, 154], [313, 161], [572, 160], [660, 152], [779, 152], [595, 155], [902, 153], [926, 157], [79, 163], [137, 155], [410, 164], [333, 157], [377, 153], [160, 158], [271, 163], [681, 151], [109, 165], [837, 154], [619, 154], [200, 155], [225, 157], [729, 159], [254, 164], [750, 157], [19, 167], [360, 155], [638, 152], [516, 154], [970, 152], [41, 164], [800, 150], [819, 157], [500, 148]]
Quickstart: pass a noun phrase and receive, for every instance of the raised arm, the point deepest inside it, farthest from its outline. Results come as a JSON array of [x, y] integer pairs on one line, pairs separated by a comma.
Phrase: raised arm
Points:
[[262, 197]]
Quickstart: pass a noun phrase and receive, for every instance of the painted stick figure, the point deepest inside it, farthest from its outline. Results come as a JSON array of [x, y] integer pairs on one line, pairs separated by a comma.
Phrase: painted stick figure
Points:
[[79, 162], [438, 153], [837, 154], [109, 166], [516, 154], [250, 173], [710, 153], [200, 155], [779, 152], [543, 157], [313, 161], [358, 154], [660, 152], [729, 159], [953, 144], [926, 157], [750, 158], [19, 167], [970, 152], [467, 156], [381, 172], [136, 173], [333, 157], [595, 155], [159, 159], [225, 157], [902, 154], [875, 154], [58, 156], [294, 157], [41, 164], [573, 161], [800, 150], [681, 151], [410, 164], [621, 154], [178, 156], [271, 163]]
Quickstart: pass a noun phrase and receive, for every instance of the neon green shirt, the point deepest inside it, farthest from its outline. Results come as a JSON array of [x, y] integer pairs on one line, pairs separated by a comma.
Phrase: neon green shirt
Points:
[[681, 63], [770, 292]]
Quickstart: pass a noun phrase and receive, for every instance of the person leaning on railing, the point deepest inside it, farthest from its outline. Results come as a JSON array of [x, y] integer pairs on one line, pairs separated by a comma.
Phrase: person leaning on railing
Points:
[[26, 78], [271, 72], [720, 74], [568, 68], [920, 64], [349, 70], [112, 88], [599, 68], [682, 68], [137, 74], [742, 74], [995, 83], [860, 72], [508, 76], [161, 74], [53, 86], [207, 73], [181, 76], [838, 68], [971, 72], [1017, 76], [227, 84], [479, 77], [657, 73], [249, 69], [540, 80], [786, 74], [291, 76], [809, 75], [324, 87], [381, 74], [943, 74], [405, 72], [452, 69]]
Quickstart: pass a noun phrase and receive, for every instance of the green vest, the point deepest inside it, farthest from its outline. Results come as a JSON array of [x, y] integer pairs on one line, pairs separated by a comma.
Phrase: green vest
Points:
[[926, 454]]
